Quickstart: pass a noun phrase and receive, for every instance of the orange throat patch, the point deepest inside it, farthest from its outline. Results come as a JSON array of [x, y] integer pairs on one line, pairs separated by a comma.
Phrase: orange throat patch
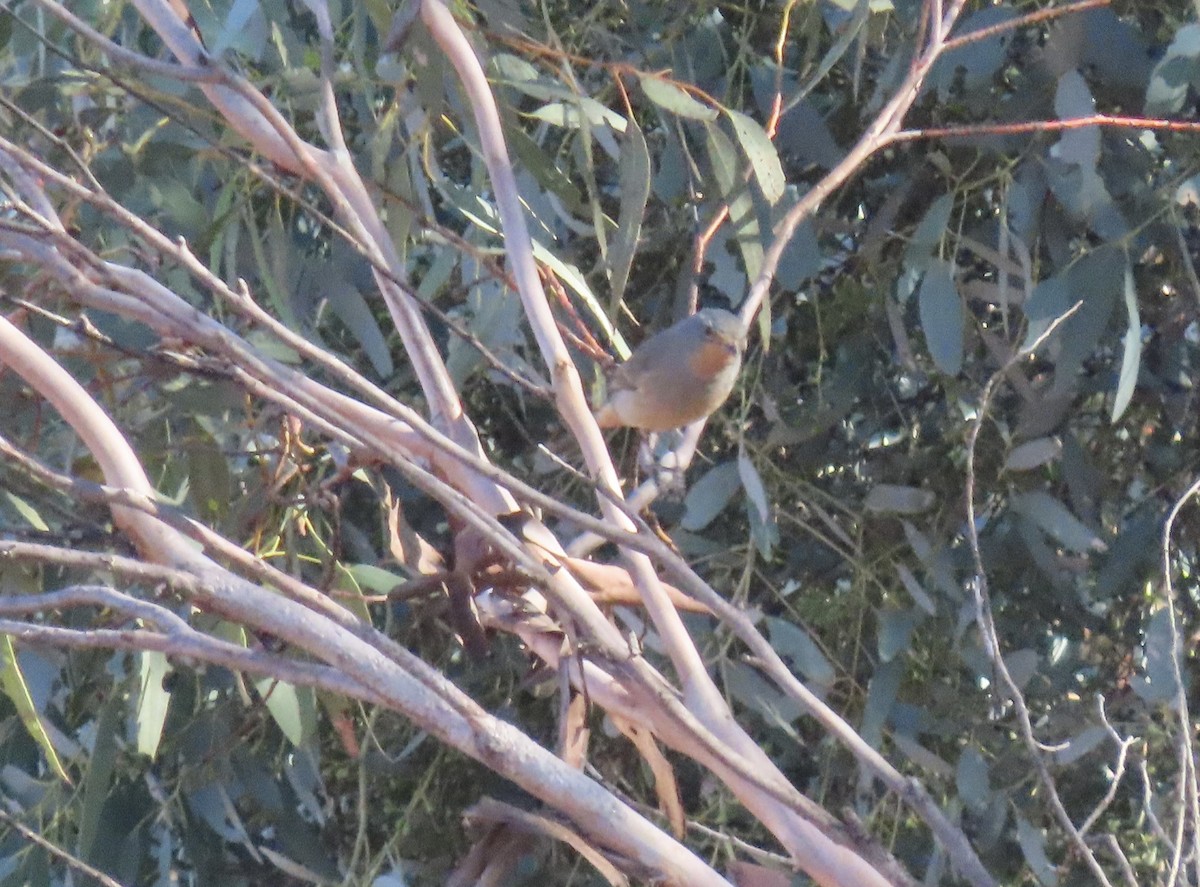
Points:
[[712, 357]]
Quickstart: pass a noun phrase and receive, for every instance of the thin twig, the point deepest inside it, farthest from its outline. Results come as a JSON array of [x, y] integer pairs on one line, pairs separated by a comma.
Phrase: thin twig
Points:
[[1123, 743], [983, 606], [1024, 21], [1189, 817], [54, 850]]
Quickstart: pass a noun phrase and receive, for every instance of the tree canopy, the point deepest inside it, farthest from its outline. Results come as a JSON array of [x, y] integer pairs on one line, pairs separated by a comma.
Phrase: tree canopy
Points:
[[315, 567]]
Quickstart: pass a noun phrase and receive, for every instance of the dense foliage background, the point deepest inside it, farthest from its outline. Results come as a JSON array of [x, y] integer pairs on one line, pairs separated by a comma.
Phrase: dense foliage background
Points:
[[829, 496]]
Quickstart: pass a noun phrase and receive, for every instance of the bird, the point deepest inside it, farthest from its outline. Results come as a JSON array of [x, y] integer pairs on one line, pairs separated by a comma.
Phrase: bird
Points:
[[677, 376]]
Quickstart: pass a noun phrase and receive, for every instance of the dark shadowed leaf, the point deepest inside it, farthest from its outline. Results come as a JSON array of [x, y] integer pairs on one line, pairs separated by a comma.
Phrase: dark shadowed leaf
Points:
[[352, 310], [1155, 680], [794, 645], [895, 631], [1033, 845], [1079, 745], [746, 686], [941, 313], [972, 779], [753, 484], [895, 499], [708, 496], [1178, 69], [1055, 520], [1033, 454], [881, 698], [97, 781], [1022, 665]]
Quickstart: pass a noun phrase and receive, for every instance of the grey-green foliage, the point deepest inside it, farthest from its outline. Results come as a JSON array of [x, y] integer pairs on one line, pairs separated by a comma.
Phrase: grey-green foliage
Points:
[[903, 296]]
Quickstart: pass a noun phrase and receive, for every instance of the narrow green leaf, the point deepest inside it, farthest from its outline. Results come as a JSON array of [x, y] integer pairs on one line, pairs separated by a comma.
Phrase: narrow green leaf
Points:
[[98, 780], [1079, 745], [569, 116], [915, 590], [724, 160], [742, 218], [352, 310], [574, 280], [746, 686], [923, 757], [635, 191], [761, 153], [26, 511], [931, 230], [671, 98], [153, 701], [292, 708], [881, 699], [1131, 360], [752, 482], [15, 688]]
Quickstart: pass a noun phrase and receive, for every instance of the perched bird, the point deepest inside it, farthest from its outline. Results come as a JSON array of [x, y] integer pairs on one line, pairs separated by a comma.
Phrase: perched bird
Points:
[[677, 376]]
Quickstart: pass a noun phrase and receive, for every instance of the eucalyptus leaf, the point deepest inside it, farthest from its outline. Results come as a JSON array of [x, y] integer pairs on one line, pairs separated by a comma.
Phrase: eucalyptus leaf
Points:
[[794, 644], [895, 631], [748, 688], [972, 779], [1178, 69], [1054, 518], [1033, 845], [1033, 454], [12, 680], [635, 190], [752, 483], [671, 98], [292, 708], [1086, 740], [153, 700], [1131, 358], [709, 496], [742, 216], [1155, 681], [942, 318], [896, 499], [761, 153]]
